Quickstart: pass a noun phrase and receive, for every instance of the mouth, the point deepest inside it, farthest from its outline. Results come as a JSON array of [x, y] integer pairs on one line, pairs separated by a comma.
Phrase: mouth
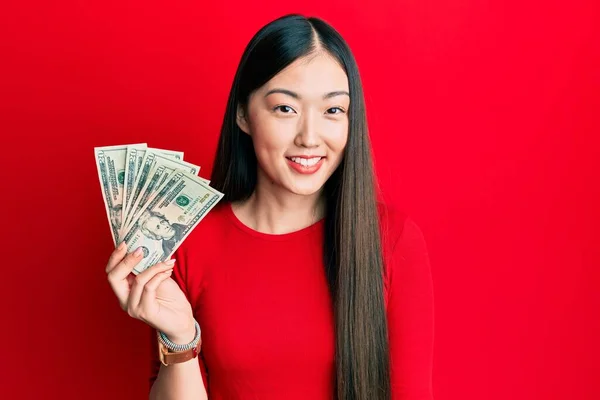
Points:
[[306, 161], [305, 165]]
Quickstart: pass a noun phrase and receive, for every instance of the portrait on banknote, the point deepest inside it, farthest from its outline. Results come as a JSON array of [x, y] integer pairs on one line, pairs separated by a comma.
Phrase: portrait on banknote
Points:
[[156, 226]]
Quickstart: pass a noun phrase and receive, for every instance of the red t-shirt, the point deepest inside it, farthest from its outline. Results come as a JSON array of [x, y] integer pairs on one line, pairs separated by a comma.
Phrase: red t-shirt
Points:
[[263, 305]]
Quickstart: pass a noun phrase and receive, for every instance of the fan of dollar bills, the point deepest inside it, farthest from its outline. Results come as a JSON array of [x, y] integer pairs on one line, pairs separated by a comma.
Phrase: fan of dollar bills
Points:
[[153, 198]]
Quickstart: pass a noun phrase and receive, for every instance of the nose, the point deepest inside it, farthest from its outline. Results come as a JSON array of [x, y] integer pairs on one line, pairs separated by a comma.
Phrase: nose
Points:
[[308, 133]]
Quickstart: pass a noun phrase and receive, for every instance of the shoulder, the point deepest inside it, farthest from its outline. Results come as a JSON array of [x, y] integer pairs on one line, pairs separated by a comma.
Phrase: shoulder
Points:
[[393, 221], [402, 241], [207, 229], [396, 226], [199, 250]]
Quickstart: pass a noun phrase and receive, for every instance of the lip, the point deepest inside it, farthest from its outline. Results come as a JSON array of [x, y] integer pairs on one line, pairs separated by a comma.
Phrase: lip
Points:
[[302, 169]]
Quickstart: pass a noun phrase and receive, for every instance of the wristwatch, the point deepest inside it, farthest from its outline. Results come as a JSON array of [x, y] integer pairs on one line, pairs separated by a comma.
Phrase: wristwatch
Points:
[[168, 357], [171, 353]]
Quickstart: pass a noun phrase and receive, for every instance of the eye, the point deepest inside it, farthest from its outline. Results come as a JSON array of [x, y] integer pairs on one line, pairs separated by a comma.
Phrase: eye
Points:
[[284, 109], [335, 110]]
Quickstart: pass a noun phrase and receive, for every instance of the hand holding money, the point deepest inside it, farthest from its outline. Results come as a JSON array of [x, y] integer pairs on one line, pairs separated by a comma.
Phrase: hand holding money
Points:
[[153, 199], [151, 296]]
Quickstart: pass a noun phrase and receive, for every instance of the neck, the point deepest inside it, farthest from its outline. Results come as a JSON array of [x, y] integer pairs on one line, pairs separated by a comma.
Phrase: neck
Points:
[[275, 210]]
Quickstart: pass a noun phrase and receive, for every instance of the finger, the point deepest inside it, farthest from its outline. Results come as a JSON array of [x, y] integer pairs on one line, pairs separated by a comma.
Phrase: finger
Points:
[[150, 288], [141, 280], [124, 268], [155, 282], [116, 256], [119, 285]]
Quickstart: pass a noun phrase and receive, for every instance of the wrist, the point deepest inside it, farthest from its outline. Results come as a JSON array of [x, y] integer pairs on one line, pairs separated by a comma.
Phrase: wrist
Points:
[[172, 353], [185, 336]]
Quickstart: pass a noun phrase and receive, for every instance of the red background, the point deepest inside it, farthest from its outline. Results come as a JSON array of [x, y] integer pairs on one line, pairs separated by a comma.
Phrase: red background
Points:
[[484, 120]]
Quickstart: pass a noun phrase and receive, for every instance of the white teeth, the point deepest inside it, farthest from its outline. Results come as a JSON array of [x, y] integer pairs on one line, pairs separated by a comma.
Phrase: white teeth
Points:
[[306, 162]]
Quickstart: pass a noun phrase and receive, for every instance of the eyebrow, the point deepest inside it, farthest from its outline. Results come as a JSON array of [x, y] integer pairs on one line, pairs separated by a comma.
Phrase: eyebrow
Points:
[[297, 96]]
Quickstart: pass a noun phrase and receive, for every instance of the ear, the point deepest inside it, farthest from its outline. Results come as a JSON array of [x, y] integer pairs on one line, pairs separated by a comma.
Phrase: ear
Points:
[[241, 120]]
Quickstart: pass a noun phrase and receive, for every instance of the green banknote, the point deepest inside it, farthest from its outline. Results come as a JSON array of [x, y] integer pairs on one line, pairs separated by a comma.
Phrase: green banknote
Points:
[[156, 168], [110, 164], [134, 158], [168, 218]]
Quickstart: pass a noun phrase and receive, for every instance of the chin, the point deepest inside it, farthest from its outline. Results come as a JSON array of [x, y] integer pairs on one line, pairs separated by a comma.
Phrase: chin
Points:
[[305, 190], [307, 186]]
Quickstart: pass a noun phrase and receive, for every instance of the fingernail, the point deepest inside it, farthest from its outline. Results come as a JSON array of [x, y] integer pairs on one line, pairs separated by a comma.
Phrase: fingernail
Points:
[[170, 262], [169, 272], [121, 246], [138, 252]]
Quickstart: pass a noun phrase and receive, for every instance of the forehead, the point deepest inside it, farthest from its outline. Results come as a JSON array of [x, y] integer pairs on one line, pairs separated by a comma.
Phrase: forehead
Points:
[[315, 74]]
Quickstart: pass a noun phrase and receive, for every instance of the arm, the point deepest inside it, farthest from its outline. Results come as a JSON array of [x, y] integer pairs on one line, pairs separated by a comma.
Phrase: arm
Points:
[[410, 316], [182, 381], [179, 381], [166, 382]]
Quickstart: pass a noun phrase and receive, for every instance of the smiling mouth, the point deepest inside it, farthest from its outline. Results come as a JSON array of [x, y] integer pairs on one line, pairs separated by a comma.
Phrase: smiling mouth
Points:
[[305, 162]]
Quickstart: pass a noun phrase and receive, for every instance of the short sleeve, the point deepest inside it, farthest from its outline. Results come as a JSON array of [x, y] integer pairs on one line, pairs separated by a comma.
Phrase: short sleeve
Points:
[[180, 275], [410, 316]]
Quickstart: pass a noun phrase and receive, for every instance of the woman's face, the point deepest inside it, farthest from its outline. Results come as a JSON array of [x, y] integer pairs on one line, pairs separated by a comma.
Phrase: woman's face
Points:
[[298, 122]]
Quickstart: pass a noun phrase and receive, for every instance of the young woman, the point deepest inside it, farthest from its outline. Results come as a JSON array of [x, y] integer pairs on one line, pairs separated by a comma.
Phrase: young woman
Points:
[[304, 285]]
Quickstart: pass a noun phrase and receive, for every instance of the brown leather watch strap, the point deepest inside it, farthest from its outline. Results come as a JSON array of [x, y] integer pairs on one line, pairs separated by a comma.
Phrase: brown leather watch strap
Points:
[[168, 358]]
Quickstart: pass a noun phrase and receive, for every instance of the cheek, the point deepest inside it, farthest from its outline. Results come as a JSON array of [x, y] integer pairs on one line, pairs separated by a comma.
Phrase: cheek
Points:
[[270, 138], [337, 137]]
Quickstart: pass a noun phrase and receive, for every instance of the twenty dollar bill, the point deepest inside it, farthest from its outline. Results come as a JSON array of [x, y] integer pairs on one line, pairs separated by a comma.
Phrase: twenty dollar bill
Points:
[[181, 203], [110, 163]]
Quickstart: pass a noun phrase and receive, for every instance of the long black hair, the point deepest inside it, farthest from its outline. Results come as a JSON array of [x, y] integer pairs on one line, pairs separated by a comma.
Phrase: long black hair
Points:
[[352, 257]]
